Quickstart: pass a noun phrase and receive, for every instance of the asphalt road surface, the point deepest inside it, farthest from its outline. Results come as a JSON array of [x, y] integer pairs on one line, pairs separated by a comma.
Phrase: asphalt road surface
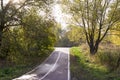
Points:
[[55, 67]]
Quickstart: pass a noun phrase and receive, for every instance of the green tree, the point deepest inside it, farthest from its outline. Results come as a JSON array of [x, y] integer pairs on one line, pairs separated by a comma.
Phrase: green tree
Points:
[[39, 32], [11, 13], [92, 16], [59, 35], [75, 35], [35, 38]]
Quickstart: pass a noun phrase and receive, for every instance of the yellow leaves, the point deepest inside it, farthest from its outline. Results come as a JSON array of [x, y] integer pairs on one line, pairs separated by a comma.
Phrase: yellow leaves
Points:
[[115, 31], [115, 38], [75, 34]]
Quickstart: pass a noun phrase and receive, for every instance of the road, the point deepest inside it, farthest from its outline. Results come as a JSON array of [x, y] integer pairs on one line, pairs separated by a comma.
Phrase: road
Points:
[[55, 67]]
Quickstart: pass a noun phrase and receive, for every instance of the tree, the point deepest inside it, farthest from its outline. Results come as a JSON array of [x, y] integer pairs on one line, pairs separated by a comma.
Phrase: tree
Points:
[[41, 37], [60, 35], [75, 35], [93, 16], [115, 34], [12, 12], [35, 37]]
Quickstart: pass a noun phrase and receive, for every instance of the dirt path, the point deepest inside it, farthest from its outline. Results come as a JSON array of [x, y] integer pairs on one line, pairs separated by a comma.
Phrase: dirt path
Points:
[[55, 67]]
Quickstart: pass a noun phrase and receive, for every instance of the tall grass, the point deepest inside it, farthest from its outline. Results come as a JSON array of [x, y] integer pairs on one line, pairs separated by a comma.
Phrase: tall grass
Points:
[[101, 66], [83, 69], [109, 57]]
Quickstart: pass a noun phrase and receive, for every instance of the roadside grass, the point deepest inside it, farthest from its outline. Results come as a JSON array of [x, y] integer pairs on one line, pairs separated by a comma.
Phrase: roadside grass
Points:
[[9, 71], [87, 67]]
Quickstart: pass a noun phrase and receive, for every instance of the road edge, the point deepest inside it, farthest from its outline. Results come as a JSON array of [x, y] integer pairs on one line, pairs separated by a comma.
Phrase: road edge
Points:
[[69, 64]]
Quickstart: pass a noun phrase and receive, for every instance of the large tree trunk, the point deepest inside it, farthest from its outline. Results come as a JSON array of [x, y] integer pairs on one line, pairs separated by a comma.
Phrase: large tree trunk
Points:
[[0, 38], [1, 33], [0, 41], [93, 48]]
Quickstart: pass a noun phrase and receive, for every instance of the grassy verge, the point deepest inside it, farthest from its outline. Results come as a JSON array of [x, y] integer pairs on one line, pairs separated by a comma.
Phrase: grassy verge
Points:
[[8, 71], [83, 67]]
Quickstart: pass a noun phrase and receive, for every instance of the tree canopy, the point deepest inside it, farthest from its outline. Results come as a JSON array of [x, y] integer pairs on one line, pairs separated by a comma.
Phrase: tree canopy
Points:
[[23, 30], [12, 12], [96, 17]]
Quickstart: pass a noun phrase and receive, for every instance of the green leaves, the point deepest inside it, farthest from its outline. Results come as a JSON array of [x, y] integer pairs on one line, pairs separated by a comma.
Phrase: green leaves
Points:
[[75, 35], [92, 16], [35, 38], [38, 32]]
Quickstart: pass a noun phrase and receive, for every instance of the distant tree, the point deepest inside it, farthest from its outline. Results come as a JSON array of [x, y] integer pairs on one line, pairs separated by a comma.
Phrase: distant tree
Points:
[[75, 35], [60, 35], [72, 36], [96, 17]]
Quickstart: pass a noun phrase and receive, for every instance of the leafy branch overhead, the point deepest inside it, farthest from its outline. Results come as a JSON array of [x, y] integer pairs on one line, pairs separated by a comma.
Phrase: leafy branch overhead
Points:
[[12, 13], [23, 31]]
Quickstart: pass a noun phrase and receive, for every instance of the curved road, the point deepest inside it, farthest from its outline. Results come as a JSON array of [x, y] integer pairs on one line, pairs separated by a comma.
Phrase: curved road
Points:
[[55, 67]]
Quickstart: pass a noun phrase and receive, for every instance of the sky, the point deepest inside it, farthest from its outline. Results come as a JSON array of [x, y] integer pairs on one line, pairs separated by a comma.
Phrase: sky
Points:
[[59, 16], [14, 1]]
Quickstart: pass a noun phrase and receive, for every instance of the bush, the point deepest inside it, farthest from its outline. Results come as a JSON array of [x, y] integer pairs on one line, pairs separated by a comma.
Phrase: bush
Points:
[[34, 38], [109, 55], [109, 58]]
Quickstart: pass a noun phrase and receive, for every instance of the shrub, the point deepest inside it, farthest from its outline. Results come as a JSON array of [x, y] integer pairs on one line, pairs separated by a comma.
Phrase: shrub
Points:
[[35, 37], [109, 57]]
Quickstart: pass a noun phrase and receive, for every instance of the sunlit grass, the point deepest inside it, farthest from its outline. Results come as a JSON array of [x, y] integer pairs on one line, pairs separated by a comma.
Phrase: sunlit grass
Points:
[[86, 67]]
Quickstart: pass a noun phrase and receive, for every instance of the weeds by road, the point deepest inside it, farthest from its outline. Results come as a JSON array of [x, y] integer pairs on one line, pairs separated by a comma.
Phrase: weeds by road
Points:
[[86, 67], [11, 70]]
